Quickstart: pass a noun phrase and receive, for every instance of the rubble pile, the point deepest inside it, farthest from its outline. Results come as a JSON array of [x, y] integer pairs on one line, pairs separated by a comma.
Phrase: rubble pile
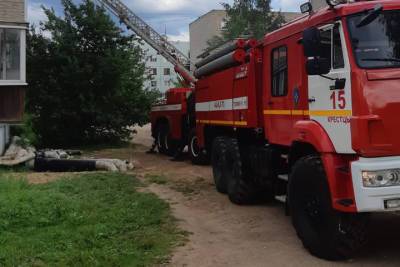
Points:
[[17, 154], [58, 160]]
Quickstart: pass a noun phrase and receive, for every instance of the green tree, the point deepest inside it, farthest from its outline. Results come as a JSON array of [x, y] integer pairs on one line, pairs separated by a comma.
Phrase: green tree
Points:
[[85, 80], [247, 18]]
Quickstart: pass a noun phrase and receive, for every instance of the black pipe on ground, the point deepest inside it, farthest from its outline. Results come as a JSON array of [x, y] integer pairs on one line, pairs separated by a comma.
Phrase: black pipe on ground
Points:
[[63, 165]]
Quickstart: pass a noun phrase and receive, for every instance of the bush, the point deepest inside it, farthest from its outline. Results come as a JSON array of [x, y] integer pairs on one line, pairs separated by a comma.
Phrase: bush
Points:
[[25, 131], [86, 81]]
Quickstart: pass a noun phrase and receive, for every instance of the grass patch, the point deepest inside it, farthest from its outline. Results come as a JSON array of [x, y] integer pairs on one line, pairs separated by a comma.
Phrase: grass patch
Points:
[[156, 179], [190, 188], [184, 188], [91, 220], [14, 169]]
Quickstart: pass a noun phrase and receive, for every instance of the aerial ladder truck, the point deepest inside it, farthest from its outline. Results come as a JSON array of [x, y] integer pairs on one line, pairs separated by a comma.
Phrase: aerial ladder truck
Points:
[[171, 122]]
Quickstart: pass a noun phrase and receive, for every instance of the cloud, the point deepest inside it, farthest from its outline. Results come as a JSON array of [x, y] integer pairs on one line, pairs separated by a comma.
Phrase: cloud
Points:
[[35, 13], [176, 15], [182, 36], [173, 15], [178, 7], [170, 16], [287, 5]]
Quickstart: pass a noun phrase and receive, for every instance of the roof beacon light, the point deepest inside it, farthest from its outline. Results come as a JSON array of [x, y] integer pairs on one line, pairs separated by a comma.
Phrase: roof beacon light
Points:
[[306, 8], [333, 3]]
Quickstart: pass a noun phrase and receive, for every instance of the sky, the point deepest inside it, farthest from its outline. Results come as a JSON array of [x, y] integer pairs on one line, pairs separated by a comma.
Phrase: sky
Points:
[[165, 16]]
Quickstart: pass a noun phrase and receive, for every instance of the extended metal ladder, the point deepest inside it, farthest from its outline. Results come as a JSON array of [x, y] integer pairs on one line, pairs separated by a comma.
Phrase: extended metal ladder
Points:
[[150, 36]]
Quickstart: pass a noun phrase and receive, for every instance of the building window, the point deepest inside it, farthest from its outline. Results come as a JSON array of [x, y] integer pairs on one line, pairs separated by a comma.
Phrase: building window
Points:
[[12, 55], [153, 83], [167, 83], [279, 71], [153, 59], [167, 71], [153, 71]]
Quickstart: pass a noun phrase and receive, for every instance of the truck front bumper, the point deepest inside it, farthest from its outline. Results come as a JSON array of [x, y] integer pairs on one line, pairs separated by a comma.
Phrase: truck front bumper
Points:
[[369, 199]]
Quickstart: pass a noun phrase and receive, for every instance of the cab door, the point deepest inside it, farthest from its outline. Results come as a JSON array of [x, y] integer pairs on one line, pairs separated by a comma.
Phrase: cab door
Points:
[[277, 112], [281, 87], [330, 102]]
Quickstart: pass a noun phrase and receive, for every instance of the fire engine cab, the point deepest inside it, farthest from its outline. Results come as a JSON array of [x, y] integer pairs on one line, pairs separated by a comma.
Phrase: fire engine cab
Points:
[[308, 116]]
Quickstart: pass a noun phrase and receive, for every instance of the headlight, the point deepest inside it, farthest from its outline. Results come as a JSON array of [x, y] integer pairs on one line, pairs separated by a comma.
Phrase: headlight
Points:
[[381, 178]]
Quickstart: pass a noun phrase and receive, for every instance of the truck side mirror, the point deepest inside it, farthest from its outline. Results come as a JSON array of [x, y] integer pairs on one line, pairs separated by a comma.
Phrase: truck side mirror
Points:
[[312, 42], [318, 66]]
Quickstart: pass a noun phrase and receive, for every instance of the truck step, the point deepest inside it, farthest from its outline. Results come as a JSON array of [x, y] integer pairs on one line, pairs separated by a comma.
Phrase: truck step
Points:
[[285, 156], [284, 177], [281, 198]]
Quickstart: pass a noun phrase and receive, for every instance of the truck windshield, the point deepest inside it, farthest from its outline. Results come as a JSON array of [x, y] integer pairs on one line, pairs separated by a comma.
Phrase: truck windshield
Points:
[[377, 43]]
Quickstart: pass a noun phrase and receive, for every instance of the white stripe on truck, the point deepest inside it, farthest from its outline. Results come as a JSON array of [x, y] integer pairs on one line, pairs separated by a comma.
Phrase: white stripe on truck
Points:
[[167, 108], [238, 103]]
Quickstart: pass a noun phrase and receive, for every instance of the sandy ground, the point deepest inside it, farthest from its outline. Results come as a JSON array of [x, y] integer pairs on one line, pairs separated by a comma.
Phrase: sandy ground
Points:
[[223, 234]]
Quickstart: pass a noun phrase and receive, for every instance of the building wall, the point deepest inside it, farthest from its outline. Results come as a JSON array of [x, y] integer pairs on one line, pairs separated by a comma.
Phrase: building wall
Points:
[[165, 76], [12, 11], [203, 29], [210, 25], [12, 17]]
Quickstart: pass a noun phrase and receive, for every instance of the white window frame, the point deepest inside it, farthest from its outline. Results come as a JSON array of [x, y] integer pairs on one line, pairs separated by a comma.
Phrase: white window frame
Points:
[[22, 80]]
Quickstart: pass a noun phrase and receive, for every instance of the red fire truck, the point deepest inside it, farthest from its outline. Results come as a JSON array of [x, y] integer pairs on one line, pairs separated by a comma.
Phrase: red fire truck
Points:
[[308, 117]]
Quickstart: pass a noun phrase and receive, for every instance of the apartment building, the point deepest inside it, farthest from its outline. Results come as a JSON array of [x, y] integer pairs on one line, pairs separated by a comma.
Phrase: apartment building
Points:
[[160, 73], [13, 27]]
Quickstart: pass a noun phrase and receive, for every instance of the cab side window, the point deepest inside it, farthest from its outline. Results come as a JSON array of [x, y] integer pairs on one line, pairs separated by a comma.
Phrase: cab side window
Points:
[[332, 47], [279, 71], [338, 60], [326, 45]]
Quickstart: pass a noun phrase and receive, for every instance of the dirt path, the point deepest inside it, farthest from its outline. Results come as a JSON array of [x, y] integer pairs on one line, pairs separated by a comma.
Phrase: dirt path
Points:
[[223, 234]]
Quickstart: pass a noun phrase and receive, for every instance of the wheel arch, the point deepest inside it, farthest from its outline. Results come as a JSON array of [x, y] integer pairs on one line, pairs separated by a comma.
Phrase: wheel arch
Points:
[[314, 134], [299, 150], [310, 138]]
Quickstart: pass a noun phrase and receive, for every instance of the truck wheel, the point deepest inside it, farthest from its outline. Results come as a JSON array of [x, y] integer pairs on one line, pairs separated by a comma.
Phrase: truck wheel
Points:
[[160, 139], [165, 144], [171, 145], [218, 155], [196, 154], [326, 233], [240, 190]]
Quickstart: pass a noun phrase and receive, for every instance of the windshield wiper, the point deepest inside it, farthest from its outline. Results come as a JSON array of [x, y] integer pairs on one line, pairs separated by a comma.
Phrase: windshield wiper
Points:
[[371, 16], [382, 59]]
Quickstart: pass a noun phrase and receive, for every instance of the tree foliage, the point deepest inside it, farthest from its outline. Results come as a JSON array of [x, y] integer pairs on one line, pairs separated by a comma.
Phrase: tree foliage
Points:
[[249, 18], [85, 78]]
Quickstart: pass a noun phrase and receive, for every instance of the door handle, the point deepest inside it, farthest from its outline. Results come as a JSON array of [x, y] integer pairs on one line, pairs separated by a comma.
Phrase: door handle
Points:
[[311, 100]]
